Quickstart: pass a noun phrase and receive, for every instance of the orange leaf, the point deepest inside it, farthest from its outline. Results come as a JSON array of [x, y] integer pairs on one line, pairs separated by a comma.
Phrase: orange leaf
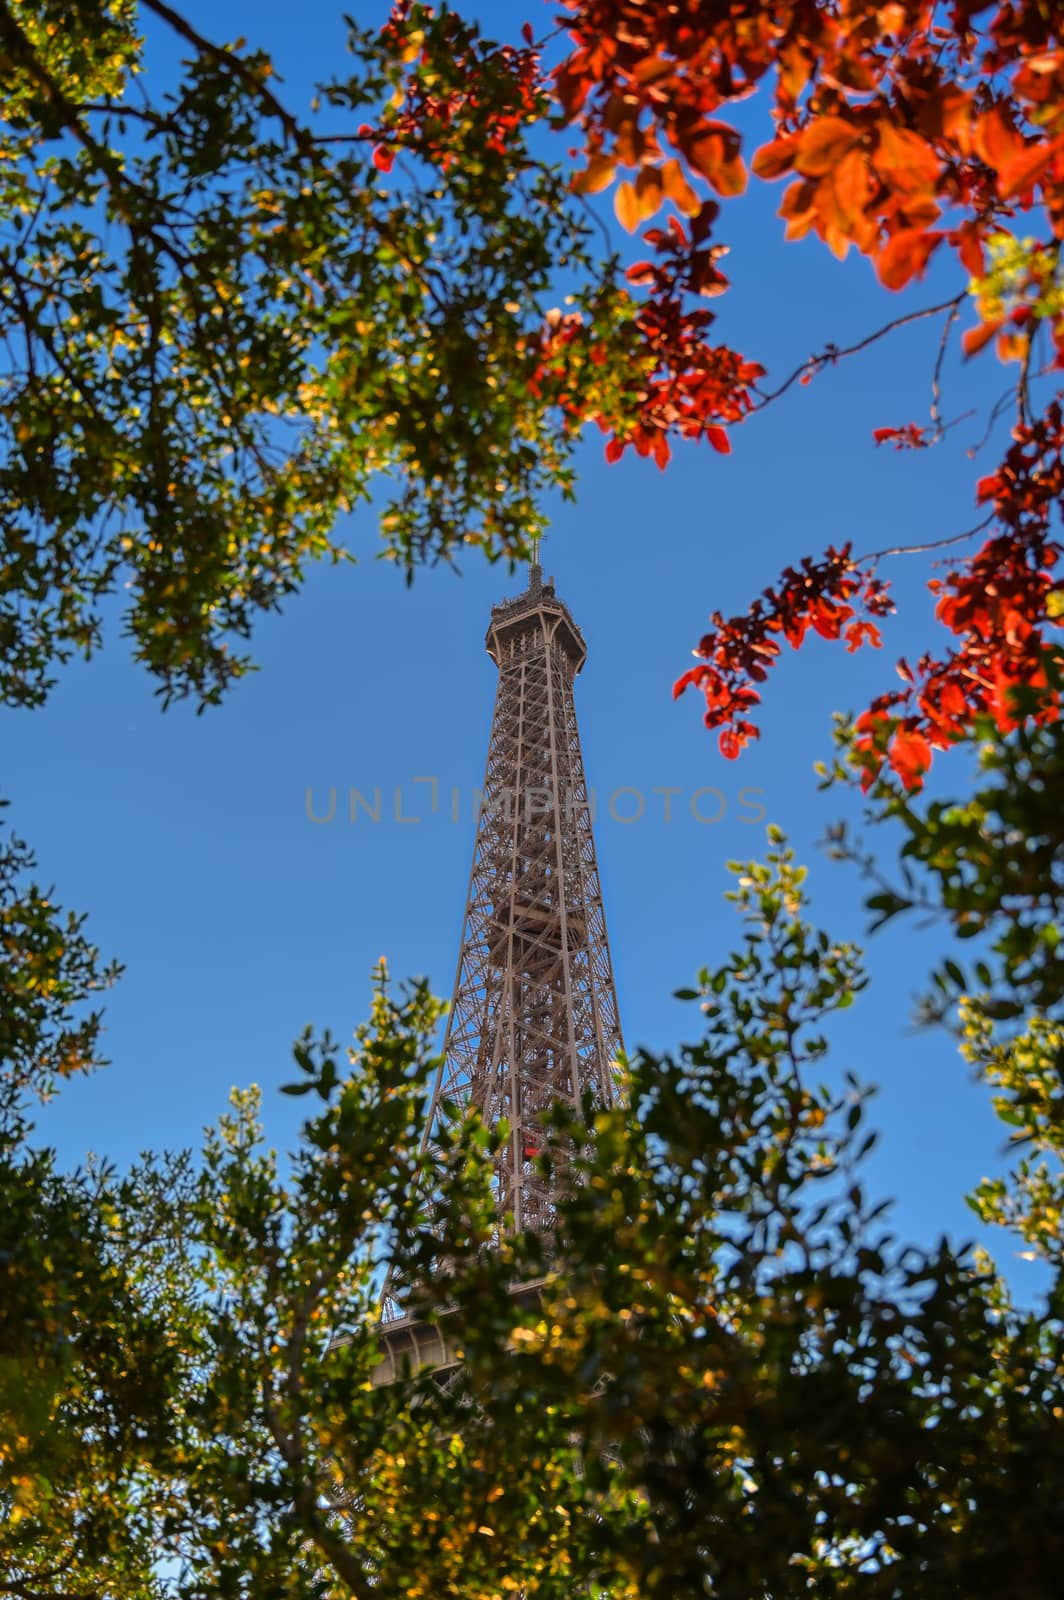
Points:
[[730, 179], [996, 140], [798, 208], [906, 162], [968, 244], [836, 238], [571, 87], [798, 199], [626, 205], [905, 256], [849, 183], [774, 159], [1019, 175], [630, 142], [679, 190], [597, 175], [823, 145], [648, 190], [973, 339], [712, 148], [1012, 346], [794, 68], [652, 68], [946, 114]]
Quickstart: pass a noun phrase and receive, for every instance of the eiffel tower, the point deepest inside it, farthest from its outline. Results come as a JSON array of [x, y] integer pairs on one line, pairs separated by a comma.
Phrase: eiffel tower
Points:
[[533, 1019]]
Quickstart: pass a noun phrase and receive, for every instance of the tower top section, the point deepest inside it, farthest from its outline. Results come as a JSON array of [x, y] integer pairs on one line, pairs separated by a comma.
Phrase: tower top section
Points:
[[537, 613]]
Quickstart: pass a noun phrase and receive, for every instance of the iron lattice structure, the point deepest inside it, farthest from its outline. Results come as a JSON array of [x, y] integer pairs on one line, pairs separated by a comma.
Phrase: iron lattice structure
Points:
[[533, 1018]]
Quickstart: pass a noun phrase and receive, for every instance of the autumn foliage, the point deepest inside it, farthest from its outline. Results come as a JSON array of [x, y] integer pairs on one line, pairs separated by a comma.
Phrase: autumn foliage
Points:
[[902, 131], [489, 92], [827, 596]]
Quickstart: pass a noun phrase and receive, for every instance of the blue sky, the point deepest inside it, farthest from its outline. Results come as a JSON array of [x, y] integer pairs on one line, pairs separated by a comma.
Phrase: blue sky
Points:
[[240, 920]]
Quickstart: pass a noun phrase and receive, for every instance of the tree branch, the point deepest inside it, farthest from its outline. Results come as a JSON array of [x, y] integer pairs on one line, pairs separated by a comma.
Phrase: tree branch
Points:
[[300, 136], [833, 353], [24, 53], [932, 544], [306, 1507]]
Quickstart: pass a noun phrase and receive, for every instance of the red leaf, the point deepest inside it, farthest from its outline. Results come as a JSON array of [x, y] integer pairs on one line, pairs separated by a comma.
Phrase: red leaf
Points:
[[383, 159], [614, 449], [827, 619], [859, 633], [910, 756], [719, 440], [693, 675], [708, 213], [910, 437]]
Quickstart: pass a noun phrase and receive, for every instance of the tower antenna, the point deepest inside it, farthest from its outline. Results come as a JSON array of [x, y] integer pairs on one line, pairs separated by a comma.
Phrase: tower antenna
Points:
[[535, 571]]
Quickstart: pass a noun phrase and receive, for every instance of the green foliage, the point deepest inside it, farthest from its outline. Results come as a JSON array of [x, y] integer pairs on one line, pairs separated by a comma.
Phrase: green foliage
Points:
[[47, 969], [990, 867], [805, 1404], [733, 1379], [223, 323], [1024, 1071]]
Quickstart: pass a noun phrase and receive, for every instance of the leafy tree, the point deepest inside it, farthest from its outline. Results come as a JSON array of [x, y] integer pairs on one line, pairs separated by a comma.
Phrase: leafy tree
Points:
[[87, 1368], [808, 1405], [736, 1380], [222, 325]]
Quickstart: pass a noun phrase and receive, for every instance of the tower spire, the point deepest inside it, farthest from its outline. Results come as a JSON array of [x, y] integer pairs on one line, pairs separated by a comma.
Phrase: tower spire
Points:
[[535, 571]]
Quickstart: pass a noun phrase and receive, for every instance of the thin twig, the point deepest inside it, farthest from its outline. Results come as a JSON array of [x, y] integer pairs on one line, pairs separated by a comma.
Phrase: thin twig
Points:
[[833, 353], [998, 407], [300, 136], [936, 376], [932, 544], [1022, 387]]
